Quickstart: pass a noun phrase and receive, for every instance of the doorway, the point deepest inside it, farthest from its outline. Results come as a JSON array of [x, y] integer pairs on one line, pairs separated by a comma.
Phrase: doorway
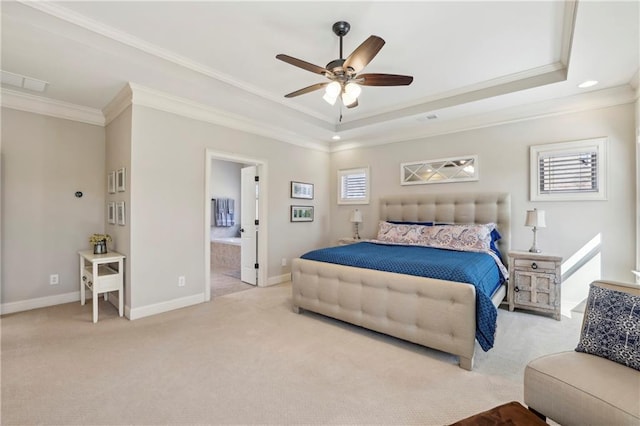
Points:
[[235, 243]]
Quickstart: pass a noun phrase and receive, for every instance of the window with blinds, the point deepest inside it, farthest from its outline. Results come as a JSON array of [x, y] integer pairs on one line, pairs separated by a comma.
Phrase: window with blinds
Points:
[[569, 171], [353, 186]]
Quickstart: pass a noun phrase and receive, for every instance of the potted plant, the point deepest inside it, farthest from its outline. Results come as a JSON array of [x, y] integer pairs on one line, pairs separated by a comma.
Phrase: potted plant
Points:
[[99, 242]]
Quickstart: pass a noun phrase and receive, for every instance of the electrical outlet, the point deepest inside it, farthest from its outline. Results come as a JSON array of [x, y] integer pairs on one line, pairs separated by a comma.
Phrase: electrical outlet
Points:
[[181, 281], [54, 279], [284, 261]]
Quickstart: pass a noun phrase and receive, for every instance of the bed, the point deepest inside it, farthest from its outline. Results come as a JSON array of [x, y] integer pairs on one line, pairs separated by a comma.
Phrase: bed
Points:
[[436, 313]]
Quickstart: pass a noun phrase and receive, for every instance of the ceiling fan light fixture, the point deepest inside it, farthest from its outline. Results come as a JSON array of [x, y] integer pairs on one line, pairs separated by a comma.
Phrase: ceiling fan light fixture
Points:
[[333, 89], [348, 99], [344, 72], [331, 100], [353, 89], [331, 92]]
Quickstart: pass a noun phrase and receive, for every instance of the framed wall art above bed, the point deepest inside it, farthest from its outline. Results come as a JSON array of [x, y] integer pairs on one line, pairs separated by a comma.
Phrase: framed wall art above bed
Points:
[[442, 170]]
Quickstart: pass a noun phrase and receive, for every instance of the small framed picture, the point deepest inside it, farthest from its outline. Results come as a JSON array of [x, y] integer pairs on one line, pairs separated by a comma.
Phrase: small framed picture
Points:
[[111, 212], [120, 180], [111, 182], [301, 213], [302, 190], [120, 215]]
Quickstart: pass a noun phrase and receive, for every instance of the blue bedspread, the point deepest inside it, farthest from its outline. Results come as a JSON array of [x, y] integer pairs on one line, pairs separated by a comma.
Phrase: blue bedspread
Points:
[[478, 269]]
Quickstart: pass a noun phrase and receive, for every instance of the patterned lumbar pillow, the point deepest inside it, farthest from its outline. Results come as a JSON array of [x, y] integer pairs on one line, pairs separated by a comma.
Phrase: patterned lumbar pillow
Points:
[[611, 327]]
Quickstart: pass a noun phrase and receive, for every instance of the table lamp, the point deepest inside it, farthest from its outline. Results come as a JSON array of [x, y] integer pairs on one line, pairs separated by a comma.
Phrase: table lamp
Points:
[[356, 218], [535, 218]]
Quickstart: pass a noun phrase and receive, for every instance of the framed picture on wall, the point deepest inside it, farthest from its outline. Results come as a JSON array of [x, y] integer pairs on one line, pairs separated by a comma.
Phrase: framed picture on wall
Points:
[[111, 212], [111, 182], [120, 180], [301, 213], [302, 190], [120, 217]]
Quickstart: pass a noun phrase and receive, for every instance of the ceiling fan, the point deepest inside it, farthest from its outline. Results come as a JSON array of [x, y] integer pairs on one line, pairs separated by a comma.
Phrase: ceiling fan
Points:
[[343, 73]]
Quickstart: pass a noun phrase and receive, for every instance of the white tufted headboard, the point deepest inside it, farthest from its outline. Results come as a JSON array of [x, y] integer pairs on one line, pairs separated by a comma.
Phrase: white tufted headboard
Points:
[[481, 207]]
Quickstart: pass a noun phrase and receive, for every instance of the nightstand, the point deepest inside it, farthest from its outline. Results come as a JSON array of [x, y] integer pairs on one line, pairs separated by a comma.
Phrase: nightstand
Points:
[[534, 282]]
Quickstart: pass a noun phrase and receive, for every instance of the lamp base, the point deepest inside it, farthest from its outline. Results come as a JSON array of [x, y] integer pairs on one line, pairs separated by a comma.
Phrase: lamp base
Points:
[[534, 248]]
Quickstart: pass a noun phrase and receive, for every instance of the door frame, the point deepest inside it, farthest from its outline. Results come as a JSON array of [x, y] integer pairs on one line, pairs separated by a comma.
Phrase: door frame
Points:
[[261, 164]]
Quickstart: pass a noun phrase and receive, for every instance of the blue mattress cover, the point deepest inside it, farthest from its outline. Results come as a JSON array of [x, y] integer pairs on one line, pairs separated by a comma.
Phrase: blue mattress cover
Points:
[[478, 269]]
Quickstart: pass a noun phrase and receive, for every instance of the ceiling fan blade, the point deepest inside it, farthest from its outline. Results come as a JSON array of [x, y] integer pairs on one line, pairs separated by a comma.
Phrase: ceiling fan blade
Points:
[[306, 90], [353, 105], [364, 53], [302, 64], [384, 80]]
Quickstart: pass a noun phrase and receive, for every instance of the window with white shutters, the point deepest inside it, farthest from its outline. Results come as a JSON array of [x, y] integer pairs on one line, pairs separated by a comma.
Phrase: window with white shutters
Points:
[[569, 171], [353, 186]]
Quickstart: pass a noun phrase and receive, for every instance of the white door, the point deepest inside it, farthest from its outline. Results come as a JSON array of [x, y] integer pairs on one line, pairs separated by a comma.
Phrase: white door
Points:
[[248, 227]]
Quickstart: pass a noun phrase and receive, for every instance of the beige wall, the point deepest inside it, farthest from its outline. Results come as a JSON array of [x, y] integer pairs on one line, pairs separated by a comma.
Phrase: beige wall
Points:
[[168, 186], [118, 155], [504, 166], [45, 161]]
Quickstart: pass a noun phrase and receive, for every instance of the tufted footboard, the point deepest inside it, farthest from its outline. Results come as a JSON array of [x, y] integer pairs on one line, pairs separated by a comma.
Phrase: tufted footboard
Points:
[[434, 313]]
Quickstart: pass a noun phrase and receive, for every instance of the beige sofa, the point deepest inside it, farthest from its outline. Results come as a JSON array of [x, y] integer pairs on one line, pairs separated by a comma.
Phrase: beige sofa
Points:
[[575, 388]]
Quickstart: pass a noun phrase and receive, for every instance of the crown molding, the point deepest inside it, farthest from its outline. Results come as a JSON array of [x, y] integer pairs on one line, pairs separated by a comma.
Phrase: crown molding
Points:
[[45, 106], [94, 26], [135, 94], [635, 82], [540, 76], [118, 104], [598, 99], [568, 30]]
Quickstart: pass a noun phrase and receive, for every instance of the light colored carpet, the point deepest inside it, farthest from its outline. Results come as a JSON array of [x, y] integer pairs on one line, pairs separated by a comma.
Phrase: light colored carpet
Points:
[[226, 281], [246, 358]]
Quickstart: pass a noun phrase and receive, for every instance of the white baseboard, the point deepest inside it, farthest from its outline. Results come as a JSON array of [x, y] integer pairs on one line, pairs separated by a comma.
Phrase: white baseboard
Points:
[[158, 308], [39, 302], [279, 279]]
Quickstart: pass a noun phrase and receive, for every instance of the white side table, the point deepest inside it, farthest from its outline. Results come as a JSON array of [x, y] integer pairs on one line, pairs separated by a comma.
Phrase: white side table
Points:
[[101, 273]]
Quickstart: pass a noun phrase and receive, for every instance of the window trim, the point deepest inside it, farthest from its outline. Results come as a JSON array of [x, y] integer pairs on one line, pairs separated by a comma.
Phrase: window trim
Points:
[[598, 145], [353, 171]]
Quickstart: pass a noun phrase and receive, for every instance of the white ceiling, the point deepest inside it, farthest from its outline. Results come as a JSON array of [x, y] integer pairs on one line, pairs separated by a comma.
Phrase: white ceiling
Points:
[[474, 63]]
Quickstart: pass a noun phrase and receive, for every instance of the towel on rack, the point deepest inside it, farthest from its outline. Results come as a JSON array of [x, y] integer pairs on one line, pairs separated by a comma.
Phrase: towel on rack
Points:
[[223, 212]]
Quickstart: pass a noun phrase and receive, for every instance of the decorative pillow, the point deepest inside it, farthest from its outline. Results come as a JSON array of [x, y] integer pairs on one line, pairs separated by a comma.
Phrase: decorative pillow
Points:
[[473, 237], [400, 234], [400, 222], [611, 327]]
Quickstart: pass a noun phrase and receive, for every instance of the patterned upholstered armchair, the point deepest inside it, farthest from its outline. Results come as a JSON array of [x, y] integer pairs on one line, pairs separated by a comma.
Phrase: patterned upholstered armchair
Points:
[[599, 382]]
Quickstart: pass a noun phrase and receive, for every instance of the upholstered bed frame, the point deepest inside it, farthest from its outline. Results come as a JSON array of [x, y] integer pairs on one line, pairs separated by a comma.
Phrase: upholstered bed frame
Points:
[[435, 313]]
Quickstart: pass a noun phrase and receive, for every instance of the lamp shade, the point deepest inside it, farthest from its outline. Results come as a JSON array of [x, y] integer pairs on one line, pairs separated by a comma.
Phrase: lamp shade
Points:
[[535, 218], [332, 92], [356, 216]]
